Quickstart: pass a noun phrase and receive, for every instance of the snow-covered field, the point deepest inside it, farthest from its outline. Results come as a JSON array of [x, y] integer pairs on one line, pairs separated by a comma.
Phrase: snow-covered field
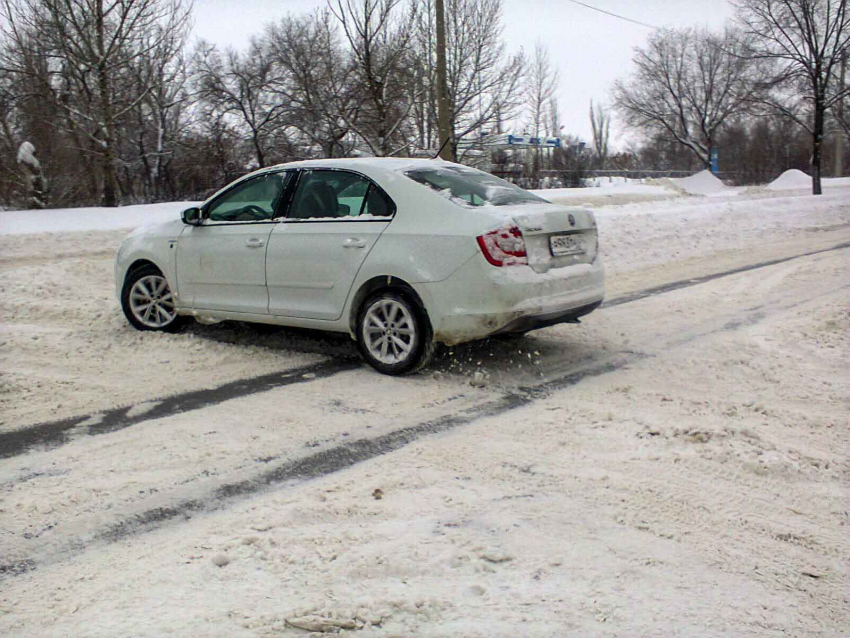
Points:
[[676, 465]]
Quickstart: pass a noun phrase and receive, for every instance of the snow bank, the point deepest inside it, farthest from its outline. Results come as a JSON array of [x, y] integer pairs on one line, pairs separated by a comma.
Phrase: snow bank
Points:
[[604, 187], [791, 179], [832, 182], [795, 179], [60, 220], [703, 183]]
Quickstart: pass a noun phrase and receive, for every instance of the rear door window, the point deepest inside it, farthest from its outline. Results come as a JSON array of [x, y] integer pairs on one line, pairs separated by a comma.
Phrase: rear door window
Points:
[[335, 194]]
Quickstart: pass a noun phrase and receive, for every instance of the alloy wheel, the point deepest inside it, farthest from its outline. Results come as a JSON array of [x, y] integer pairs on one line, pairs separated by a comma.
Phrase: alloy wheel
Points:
[[152, 302], [389, 331]]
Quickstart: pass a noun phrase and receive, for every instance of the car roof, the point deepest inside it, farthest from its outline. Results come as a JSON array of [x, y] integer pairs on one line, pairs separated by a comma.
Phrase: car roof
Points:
[[362, 163], [367, 165]]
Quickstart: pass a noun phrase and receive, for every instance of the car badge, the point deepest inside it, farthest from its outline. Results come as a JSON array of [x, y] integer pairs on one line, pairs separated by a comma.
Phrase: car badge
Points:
[[572, 219]]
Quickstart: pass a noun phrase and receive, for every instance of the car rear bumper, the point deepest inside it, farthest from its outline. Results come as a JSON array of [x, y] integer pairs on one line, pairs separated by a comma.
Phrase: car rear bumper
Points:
[[532, 322], [480, 300]]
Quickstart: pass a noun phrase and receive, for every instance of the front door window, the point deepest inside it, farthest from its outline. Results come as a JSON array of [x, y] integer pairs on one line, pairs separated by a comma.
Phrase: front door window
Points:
[[253, 200]]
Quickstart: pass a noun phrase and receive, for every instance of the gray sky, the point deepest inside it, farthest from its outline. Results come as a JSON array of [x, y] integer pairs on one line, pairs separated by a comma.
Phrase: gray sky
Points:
[[591, 49]]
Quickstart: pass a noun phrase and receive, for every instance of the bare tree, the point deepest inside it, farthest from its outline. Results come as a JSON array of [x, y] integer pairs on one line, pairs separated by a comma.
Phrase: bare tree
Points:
[[841, 108], [162, 113], [553, 122], [600, 124], [758, 148], [543, 81], [483, 80], [89, 46], [686, 85], [379, 34], [318, 79], [31, 112], [841, 112], [9, 178], [243, 87], [806, 39]]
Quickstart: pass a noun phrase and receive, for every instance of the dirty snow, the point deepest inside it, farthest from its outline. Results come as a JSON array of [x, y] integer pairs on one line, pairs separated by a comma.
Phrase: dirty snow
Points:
[[699, 487]]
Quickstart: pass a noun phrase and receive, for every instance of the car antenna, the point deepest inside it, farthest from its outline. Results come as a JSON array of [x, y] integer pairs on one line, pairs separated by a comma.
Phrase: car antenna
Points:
[[441, 148]]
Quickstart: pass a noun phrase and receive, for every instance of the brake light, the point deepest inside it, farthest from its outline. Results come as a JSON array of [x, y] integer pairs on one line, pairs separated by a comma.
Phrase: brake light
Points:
[[504, 246]]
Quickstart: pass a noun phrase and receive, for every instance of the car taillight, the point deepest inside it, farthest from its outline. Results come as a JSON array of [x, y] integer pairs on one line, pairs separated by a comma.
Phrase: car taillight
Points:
[[504, 246]]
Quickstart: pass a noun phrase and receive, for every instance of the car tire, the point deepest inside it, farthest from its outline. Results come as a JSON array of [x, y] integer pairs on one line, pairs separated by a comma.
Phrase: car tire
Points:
[[394, 334], [147, 301]]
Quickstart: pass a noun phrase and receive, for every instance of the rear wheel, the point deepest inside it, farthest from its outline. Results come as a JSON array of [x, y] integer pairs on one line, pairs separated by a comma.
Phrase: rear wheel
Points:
[[393, 333], [148, 302]]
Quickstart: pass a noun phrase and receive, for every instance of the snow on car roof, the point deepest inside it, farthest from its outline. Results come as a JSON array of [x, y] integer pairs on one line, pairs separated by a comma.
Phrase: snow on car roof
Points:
[[381, 163]]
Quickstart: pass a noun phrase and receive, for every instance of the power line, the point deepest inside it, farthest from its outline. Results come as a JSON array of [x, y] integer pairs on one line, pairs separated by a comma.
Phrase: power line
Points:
[[615, 15]]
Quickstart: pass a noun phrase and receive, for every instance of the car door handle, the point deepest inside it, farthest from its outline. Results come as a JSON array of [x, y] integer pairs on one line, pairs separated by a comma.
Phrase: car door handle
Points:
[[354, 242], [255, 242]]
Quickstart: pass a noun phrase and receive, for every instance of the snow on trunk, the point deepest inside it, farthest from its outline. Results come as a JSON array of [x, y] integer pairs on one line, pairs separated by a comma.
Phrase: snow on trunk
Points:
[[35, 180]]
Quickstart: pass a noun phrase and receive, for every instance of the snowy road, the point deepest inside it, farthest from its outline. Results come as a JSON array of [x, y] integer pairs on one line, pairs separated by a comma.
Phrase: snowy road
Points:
[[676, 464]]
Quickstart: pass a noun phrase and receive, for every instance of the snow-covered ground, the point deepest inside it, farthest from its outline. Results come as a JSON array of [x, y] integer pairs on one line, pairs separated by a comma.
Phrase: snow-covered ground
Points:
[[605, 191], [67, 220], [680, 469]]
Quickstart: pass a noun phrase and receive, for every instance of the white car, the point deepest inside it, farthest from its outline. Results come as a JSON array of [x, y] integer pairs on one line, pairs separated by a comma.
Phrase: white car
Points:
[[402, 254]]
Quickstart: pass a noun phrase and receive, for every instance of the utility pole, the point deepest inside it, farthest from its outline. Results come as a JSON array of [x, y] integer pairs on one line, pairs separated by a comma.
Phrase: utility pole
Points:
[[446, 152], [839, 137]]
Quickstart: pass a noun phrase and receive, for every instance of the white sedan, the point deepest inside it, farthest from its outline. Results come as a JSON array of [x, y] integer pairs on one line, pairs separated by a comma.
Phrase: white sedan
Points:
[[402, 254]]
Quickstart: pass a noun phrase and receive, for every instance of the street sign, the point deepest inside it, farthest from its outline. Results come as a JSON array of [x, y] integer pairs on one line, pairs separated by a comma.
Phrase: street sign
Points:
[[522, 140]]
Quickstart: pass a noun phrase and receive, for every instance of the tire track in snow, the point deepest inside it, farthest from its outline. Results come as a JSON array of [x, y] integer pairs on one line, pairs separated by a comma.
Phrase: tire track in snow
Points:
[[350, 453], [52, 434], [695, 281], [55, 433], [313, 466]]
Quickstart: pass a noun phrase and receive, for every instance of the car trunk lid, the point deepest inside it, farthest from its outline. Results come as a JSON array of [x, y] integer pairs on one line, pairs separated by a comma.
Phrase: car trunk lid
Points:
[[555, 236]]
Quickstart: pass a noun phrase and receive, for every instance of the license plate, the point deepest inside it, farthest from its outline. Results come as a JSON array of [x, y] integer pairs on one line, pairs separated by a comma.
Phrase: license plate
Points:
[[566, 245]]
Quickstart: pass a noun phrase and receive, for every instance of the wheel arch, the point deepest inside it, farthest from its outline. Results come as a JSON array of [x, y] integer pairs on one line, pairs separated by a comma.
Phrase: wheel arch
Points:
[[136, 264], [376, 284], [140, 263]]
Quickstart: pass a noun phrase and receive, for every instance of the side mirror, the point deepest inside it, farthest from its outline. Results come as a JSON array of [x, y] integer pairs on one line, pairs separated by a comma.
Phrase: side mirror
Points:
[[191, 216]]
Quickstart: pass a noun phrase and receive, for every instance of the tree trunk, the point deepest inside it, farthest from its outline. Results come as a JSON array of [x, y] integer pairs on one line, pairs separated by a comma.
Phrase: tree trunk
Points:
[[448, 151], [817, 140], [261, 158], [839, 136], [108, 123], [143, 154], [110, 190]]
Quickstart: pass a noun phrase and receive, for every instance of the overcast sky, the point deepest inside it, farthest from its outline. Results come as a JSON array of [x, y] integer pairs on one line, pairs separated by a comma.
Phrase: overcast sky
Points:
[[591, 49]]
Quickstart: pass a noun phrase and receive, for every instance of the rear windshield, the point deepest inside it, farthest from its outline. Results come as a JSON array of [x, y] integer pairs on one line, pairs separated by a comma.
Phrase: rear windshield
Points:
[[470, 187]]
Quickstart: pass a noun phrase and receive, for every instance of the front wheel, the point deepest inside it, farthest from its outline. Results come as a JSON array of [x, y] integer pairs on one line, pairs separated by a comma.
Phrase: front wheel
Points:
[[393, 334], [148, 302]]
